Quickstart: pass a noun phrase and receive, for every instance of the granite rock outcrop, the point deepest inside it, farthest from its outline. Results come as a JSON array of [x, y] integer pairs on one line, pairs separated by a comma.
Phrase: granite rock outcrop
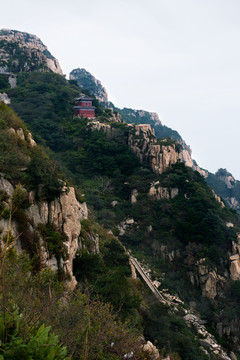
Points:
[[235, 260], [158, 154], [158, 192], [4, 97], [64, 213], [23, 52]]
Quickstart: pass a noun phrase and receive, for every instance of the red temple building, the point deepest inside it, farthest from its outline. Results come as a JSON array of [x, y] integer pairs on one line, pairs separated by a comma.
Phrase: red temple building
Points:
[[84, 107]]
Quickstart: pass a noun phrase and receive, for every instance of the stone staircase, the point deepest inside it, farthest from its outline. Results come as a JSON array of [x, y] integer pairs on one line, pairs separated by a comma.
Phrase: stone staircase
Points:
[[192, 320]]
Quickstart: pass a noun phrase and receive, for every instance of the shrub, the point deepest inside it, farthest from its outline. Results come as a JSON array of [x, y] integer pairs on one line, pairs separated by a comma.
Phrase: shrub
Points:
[[19, 198], [223, 172], [9, 117], [44, 175], [54, 241], [38, 343], [14, 154], [235, 289]]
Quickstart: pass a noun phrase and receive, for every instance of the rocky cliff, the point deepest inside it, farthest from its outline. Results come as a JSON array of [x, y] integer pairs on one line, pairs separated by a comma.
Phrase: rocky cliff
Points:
[[158, 154], [235, 260], [63, 215], [48, 228], [23, 52], [87, 81]]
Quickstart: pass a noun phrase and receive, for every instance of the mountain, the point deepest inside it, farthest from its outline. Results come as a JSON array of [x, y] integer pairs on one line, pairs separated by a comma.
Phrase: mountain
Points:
[[98, 194], [87, 81], [21, 52]]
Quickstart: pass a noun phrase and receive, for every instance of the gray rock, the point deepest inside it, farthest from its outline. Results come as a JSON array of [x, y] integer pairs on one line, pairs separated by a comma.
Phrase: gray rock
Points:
[[4, 97], [114, 203], [6, 186], [129, 221], [134, 196]]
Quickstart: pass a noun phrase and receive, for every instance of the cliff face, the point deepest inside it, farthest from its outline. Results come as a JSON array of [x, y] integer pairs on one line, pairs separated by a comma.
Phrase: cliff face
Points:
[[46, 227], [158, 154], [64, 214], [23, 52], [235, 260]]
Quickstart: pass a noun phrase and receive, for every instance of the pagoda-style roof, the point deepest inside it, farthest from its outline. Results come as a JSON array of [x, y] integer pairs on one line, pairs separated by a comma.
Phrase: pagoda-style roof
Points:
[[84, 98]]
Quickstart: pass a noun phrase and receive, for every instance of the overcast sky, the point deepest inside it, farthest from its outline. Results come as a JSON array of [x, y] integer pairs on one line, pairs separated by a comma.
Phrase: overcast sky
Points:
[[179, 58]]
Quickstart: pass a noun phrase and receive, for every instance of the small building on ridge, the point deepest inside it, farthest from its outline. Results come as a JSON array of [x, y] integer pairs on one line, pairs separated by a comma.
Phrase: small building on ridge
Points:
[[84, 107]]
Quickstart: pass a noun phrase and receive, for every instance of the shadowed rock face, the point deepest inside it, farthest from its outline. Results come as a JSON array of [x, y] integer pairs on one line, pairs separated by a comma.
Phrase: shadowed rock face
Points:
[[23, 52]]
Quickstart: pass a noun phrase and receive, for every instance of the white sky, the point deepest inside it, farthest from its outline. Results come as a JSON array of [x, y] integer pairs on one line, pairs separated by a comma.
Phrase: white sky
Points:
[[180, 59]]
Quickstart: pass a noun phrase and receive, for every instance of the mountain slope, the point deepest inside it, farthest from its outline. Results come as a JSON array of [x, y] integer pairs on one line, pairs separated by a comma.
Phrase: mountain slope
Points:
[[41, 215], [174, 223], [136, 187]]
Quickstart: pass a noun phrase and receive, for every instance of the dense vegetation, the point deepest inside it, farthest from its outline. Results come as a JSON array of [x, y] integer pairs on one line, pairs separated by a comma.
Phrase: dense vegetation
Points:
[[111, 263], [23, 163], [4, 84], [38, 322], [162, 326], [44, 101]]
